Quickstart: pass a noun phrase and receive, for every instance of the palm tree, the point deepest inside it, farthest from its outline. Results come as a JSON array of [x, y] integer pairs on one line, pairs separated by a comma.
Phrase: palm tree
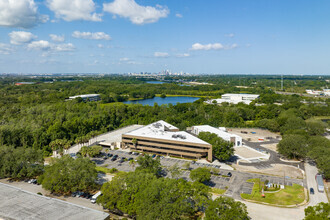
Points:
[[132, 163]]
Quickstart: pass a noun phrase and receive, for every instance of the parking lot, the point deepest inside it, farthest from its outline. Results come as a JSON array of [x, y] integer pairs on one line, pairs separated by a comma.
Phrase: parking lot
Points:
[[235, 183]]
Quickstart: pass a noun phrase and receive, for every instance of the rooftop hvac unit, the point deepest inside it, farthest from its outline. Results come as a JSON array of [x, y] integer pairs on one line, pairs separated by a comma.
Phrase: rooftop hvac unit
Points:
[[174, 136]]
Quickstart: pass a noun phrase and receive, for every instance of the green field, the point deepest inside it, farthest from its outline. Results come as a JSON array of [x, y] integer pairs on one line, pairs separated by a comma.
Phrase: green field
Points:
[[291, 195]]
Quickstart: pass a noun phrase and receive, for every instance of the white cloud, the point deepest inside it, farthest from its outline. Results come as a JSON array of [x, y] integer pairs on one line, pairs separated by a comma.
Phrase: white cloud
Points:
[[5, 49], [161, 54], [100, 46], [124, 59], [229, 47], [231, 35], [20, 13], [63, 47], [57, 38], [178, 15], [215, 46], [72, 10], [21, 37], [91, 36], [183, 55], [46, 46], [39, 45], [136, 13]]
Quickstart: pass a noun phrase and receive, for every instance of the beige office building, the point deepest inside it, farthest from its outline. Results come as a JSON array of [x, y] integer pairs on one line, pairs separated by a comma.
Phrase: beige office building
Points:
[[165, 139]]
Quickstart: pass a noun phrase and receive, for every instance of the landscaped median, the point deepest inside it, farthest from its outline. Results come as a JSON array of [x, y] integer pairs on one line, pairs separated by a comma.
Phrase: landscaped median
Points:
[[289, 196]]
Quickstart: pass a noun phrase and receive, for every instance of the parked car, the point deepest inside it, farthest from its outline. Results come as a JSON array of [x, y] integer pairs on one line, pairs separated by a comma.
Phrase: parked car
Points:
[[311, 191], [229, 174], [114, 158], [123, 158], [121, 161], [105, 158], [110, 155], [129, 159], [154, 155], [130, 152]]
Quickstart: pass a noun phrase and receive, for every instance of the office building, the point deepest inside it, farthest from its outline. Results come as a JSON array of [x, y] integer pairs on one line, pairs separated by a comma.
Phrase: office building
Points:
[[165, 139], [234, 98], [237, 140]]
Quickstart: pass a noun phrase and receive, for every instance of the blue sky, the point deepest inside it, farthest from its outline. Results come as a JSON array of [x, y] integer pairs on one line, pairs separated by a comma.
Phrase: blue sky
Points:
[[195, 36]]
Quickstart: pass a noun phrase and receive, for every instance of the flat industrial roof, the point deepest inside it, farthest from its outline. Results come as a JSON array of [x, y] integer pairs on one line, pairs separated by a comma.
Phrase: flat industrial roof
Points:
[[84, 96], [18, 204], [241, 94], [157, 130], [220, 133]]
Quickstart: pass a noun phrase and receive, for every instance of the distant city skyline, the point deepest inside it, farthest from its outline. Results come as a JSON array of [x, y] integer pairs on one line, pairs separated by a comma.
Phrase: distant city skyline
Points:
[[123, 36]]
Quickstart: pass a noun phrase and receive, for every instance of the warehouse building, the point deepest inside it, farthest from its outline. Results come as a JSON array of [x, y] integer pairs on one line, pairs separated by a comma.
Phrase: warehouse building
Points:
[[19, 204], [237, 140], [89, 97], [165, 139], [234, 98]]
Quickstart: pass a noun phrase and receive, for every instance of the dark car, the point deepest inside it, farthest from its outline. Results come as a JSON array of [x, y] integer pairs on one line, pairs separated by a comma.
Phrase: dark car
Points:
[[311, 191], [121, 161], [154, 155], [130, 152], [110, 155], [114, 158], [129, 159], [105, 158], [229, 174]]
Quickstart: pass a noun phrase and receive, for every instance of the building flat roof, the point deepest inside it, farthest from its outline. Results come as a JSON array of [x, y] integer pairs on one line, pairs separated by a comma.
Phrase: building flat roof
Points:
[[158, 130], [84, 96], [17, 204], [241, 94], [220, 133]]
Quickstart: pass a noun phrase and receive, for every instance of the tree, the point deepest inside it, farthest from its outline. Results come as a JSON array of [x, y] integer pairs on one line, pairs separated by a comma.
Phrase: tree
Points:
[[200, 174], [320, 211], [315, 127], [175, 171], [66, 175], [148, 164], [221, 149], [293, 146], [223, 208], [20, 163], [186, 165]]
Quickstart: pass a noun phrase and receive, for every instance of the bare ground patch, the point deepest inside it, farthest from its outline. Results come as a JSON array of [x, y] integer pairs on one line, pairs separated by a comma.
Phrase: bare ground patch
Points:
[[276, 170], [254, 137]]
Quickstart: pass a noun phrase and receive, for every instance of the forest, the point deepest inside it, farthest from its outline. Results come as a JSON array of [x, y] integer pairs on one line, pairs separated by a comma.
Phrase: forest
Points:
[[41, 117]]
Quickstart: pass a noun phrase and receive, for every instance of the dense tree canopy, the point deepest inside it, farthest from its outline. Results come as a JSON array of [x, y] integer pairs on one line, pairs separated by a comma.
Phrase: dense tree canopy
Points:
[[221, 149], [320, 211], [223, 208], [20, 163], [66, 175]]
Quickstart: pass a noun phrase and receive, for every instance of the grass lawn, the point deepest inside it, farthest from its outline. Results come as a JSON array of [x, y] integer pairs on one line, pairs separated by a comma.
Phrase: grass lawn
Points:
[[218, 191], [291, 195]]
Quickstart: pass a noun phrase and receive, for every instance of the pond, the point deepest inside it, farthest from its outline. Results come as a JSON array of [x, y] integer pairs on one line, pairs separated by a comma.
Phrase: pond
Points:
[[160, 101], [155, 82]]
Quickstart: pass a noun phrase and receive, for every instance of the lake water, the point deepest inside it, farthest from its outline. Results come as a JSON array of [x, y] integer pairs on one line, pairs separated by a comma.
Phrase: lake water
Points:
[[155, 82], [160, 101]]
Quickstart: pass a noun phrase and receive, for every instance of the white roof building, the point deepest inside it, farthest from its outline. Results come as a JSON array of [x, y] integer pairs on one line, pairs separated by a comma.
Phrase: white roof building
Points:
[[235, 98], [237, 140], [165, 131], [91, 97]]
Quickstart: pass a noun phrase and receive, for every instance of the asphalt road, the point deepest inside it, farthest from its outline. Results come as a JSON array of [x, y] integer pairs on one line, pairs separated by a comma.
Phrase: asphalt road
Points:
[[317, 197], [274, 156]]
